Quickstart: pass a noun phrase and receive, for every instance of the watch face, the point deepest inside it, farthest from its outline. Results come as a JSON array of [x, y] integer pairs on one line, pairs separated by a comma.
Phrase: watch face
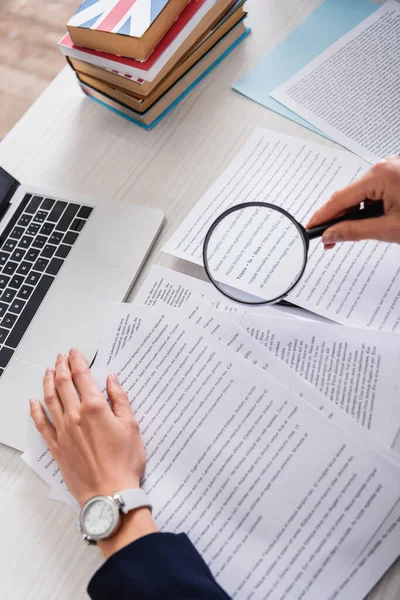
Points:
[[100, 517]]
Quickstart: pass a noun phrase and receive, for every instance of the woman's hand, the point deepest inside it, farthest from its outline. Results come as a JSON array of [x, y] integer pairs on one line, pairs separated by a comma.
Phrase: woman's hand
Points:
[[381, 182], [98, 448]]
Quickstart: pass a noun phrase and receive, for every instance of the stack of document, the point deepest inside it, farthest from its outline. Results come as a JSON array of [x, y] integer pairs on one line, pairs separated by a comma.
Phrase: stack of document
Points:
[[281, 475], [338, 73]]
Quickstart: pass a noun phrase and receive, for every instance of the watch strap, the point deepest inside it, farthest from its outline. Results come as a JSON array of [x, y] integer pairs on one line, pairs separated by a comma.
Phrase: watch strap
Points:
[[131, 499]]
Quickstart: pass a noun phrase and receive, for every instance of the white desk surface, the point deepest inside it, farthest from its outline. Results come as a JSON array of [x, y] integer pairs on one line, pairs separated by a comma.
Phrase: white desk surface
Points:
[[68, 141]]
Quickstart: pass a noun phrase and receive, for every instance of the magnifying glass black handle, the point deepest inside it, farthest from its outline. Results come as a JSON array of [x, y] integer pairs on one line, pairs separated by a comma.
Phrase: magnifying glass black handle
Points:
[[375, 209]]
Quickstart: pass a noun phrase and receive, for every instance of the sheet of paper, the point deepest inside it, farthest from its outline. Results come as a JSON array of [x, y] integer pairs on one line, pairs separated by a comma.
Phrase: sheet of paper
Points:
[[328, 22], [354, 284], [382, 550], [39, 458], [173, 289], [196, 308], [164, 286], [380, 554], [115, 335], [356, 369], [206, 416], [351, 91]]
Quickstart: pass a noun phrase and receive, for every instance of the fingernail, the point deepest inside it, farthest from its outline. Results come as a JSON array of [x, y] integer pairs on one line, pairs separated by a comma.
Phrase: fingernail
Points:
[[32, 401], [59, 356], [73, 350], [330, 237], [114, 378]]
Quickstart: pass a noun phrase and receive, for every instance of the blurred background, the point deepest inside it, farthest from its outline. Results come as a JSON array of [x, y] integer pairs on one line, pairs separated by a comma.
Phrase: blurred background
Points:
[[29, 57]]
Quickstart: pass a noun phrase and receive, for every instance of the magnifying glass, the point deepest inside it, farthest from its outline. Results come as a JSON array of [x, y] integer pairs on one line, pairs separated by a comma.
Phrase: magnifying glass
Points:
[[256, 253]]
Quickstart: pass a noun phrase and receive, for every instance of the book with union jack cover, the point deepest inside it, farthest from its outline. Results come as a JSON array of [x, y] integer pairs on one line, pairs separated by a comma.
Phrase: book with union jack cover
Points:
[[131, 28], [192, 23]]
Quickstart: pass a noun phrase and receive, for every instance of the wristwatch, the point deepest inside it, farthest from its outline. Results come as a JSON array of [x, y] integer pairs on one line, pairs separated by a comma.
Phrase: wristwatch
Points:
[[100, 517]]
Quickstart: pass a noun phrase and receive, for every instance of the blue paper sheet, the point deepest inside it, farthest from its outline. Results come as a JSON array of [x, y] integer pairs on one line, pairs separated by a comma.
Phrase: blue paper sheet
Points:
[[331, 20]]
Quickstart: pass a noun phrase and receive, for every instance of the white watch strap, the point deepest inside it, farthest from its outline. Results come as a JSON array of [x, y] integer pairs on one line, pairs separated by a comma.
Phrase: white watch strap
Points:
[[132, 499]]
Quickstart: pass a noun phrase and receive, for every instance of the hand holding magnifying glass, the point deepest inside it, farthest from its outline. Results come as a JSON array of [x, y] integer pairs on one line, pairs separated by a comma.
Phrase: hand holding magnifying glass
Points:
[[256, 253], [381, 182]]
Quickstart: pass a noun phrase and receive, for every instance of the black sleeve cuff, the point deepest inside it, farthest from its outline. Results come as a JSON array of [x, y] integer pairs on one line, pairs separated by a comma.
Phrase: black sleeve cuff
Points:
[[156, 566]]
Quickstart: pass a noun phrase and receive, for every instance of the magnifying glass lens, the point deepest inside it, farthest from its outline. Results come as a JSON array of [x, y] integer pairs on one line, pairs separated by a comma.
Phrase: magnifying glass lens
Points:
[[255, 254]]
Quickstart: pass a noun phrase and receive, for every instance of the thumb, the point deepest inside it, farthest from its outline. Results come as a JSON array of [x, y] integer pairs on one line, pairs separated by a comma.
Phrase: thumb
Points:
[[384, 229], [118, 398]]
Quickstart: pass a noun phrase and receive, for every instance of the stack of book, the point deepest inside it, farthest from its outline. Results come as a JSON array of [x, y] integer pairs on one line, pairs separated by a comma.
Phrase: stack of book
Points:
[[141, 57]]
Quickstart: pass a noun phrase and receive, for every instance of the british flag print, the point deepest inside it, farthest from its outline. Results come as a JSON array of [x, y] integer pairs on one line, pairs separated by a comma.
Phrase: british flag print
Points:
[[128, 17]]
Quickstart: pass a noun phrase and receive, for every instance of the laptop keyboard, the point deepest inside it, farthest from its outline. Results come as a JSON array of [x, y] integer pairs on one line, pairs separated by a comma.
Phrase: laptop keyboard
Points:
[[33, 249]]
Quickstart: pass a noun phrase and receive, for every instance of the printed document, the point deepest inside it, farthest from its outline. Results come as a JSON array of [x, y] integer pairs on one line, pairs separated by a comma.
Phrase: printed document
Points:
[[356, 369], [229, 333], [356, 284], [352, 90], [225, 440]]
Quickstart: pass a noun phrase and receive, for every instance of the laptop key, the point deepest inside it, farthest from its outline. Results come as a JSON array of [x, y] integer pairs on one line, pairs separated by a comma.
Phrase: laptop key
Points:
[[63, 251], [18, 255], [4, 258], [10, 267], [48, 251], [9, 245], [16, 281], [67, 217], [17, 232], [9, 320], [33, 205], [3, 335], [56, 238], [33, 278], [54, 266], [47, 229], [39, 242], [47, 204], [25, 242], [25, 220], [77, 225], [8, 295], [33, 229], [4, 281], [57, 211], [40, 216], [25, 292], [24, 268], [32, 254], [16, 306], [5, 356], [3, 309], [29, 311], [85, 212], [70, 238], [40, 264]]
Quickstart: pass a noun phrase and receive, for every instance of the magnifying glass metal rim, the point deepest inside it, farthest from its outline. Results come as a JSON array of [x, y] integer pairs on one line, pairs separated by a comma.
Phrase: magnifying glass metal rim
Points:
[[235, 208]]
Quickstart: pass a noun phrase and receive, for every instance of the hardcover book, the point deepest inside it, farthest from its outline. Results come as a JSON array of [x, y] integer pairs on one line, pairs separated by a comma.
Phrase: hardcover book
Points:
[[130, 28]]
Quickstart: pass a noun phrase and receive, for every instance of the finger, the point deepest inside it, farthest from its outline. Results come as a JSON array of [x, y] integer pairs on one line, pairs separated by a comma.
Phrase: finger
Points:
[[42, 423], [52, 399], [118, 398], [64, 384], [82, 376], [384, 229], [348, 197]]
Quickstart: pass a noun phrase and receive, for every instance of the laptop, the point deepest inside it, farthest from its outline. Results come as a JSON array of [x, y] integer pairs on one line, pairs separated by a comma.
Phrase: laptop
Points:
[[64, 259]]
